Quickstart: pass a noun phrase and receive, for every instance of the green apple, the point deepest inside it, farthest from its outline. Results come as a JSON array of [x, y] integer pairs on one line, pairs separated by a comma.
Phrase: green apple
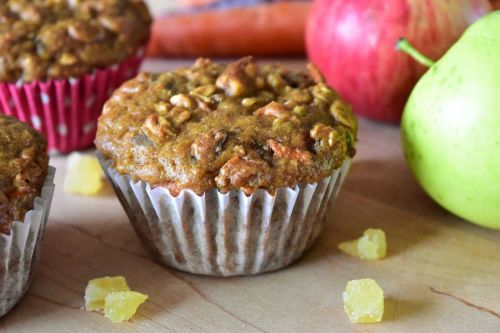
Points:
[[451, 126]]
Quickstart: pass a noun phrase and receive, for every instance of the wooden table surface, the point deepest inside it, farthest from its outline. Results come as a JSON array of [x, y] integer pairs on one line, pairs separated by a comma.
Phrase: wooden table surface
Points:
[[442, 274]]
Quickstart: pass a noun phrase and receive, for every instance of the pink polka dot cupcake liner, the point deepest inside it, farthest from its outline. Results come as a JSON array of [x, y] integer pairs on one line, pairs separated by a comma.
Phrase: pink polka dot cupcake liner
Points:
[[66, 110]]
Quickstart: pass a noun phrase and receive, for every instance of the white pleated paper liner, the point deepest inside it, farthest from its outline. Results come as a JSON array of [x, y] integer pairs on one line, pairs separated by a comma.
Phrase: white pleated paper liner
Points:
[[19, 251], [226, 234]]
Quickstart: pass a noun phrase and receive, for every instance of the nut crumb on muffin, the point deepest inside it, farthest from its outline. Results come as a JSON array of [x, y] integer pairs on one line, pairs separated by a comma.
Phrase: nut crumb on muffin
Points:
[[42, 40], [236, 126], [23, 168]]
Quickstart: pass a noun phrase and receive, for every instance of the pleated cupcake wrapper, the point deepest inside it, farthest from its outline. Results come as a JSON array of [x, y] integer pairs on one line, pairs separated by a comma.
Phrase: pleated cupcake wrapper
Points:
[[66, 110], [19, 251], [226, 234]]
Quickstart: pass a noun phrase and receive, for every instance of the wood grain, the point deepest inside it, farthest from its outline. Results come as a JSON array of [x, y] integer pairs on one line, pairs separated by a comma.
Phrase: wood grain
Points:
[[442, 274]]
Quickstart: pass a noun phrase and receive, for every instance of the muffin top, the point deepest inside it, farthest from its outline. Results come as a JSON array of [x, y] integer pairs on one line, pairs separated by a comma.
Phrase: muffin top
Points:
[[23, 168], [236, 126], [47, 39]]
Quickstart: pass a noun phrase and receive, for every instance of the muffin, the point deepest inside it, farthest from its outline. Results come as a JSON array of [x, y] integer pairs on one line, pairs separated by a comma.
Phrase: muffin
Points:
[[26, 188], [226, 169], [60, 61]]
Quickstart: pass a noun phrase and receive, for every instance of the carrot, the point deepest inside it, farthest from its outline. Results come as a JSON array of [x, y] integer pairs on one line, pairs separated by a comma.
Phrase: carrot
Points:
[[262, 30]]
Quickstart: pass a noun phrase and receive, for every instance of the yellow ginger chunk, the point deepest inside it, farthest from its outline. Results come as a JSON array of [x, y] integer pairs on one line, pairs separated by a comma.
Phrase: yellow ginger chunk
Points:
[[370, 246], [98, 289], [363, 301], [83, 175], [122, 305]]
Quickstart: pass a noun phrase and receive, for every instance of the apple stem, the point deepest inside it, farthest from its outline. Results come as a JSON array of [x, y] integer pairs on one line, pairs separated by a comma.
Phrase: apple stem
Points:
[[404, 45]]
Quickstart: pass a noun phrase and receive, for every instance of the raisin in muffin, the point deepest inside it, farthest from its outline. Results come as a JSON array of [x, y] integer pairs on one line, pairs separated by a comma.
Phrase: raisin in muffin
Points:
[[25, 193], [207, 133]]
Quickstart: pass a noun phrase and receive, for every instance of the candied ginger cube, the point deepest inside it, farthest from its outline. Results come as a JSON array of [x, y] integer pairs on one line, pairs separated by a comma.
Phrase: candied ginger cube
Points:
[[363, 301], [98, 289], [83, 175], [350, 248], [371, 246], [122, 305]]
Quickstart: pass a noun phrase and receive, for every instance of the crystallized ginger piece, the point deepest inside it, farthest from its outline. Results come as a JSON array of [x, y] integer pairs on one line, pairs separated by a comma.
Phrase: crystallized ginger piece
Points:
[[83, 175], [98, 289], [122, 305], [364, 301], [371, 246]]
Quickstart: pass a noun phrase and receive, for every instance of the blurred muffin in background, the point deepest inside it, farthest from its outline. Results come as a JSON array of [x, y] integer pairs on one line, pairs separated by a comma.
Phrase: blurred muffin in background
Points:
[[60, 61]]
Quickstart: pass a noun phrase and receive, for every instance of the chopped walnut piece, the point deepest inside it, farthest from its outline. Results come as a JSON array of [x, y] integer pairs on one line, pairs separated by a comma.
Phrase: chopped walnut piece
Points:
[[206, 147], [290, 153], [204, 91], [323, 132], [336, 140], [343, 114], [133, 86], [157, 128], [179, 115], [320, 131], [315, 74], [28, 65], [235, 80], [274, 109], [162, 107], [202, 63], [248, 102], [204, 106], [183, 100], [302, 96], [276, 81], [67, 59], [30, 13], [243, 172], [84, 31], [29, 172], [116, 24], [323, 94]]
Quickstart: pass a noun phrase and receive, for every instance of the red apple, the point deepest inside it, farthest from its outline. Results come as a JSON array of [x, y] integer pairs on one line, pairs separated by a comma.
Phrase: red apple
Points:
[[353, 44], [495, 4]]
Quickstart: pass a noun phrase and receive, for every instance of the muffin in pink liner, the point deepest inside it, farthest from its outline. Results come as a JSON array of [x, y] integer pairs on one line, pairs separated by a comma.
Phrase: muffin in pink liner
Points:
[[60, 61], [226, 169], [66, 110], [26, 189]]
